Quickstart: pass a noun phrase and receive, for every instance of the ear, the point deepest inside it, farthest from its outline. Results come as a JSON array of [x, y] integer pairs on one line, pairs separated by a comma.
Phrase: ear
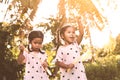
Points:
[[62, 36]]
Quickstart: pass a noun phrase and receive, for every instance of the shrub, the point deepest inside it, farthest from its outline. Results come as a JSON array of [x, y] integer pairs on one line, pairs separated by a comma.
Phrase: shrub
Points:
[[104, 69]]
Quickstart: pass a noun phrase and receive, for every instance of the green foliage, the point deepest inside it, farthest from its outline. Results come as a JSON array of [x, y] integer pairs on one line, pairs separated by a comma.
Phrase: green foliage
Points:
[[105, 68], [9, 68]]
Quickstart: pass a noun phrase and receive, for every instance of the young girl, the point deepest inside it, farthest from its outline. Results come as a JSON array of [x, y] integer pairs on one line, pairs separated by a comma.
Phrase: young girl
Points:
[[68, 54], [34, 58]]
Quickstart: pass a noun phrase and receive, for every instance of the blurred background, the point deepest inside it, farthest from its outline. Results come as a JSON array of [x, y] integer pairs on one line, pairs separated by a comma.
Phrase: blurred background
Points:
[[100, 45]]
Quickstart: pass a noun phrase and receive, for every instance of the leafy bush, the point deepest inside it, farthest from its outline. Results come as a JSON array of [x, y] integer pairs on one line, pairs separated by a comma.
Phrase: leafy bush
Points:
[[104, 69]]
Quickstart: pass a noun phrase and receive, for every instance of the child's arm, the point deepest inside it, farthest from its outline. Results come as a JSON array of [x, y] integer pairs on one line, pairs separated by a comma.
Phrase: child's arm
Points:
[[81, 33], [21, 57], [56, 69], [45, 64], [65, 66]]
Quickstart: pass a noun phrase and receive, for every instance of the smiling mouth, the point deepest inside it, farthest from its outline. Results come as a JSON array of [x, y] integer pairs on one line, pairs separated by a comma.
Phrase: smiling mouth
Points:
[[72, 37]]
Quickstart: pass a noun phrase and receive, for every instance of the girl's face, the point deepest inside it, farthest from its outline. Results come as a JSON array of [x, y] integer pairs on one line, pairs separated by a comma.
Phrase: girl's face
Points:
[[69, 35], [36, 44]]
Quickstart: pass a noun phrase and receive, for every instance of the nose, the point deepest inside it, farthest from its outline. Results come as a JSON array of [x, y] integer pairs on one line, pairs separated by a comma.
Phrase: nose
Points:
[[37, 45], [72, 35]]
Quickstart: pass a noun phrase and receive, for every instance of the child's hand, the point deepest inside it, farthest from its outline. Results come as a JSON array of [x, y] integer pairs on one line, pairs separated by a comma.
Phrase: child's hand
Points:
[[44, 64], [21, 47], [70, 66]]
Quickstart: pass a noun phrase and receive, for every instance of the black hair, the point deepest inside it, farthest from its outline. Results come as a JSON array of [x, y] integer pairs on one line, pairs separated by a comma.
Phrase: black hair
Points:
[[35, 34]]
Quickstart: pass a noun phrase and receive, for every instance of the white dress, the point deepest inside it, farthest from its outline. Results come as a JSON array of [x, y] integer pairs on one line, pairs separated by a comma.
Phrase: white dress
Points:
[[33, 67], [71, 54]]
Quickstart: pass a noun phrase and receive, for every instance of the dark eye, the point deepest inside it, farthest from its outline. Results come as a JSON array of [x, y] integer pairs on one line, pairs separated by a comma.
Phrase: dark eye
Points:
[[73, 31], [35, 42], [40, 42], [69, 32]]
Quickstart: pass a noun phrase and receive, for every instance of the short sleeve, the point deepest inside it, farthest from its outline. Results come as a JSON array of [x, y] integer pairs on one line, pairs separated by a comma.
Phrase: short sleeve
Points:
[[45, 57], [59, 55], [25, 53]]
